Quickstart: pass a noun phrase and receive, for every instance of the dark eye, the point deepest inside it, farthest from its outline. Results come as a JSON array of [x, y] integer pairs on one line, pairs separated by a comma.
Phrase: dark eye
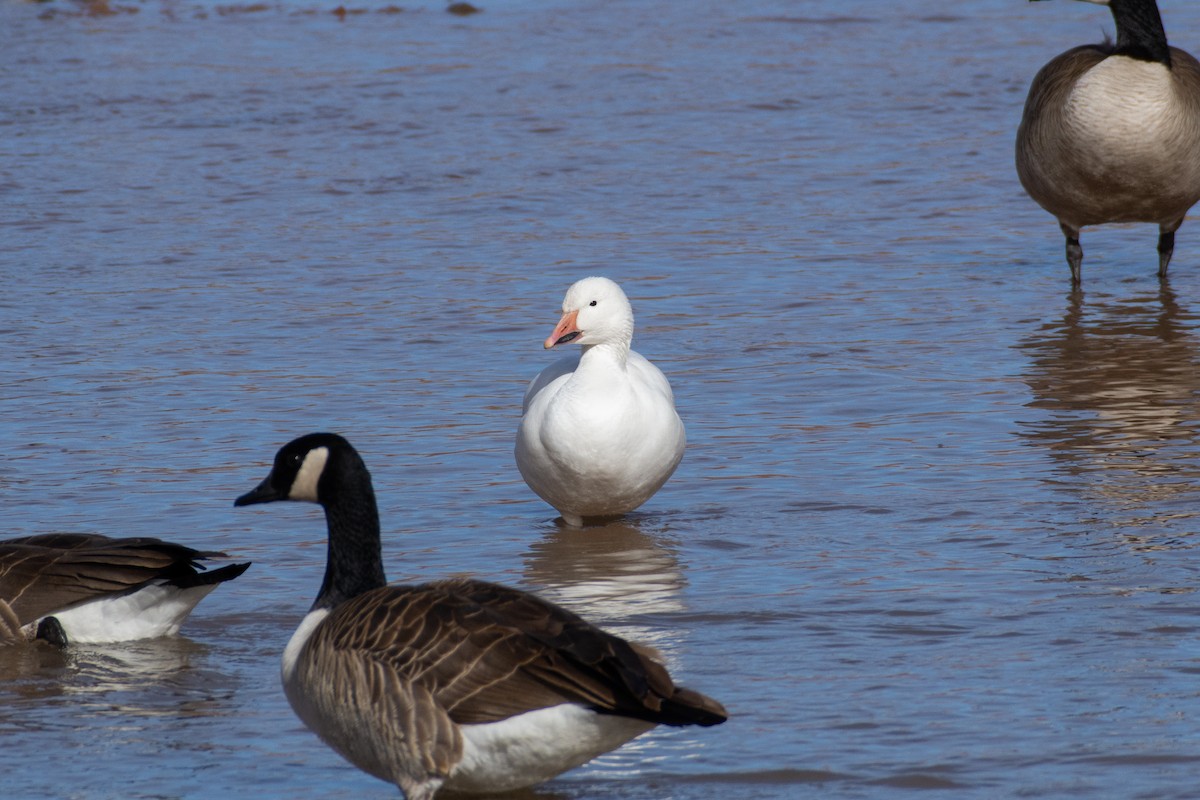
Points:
[[592, 303]]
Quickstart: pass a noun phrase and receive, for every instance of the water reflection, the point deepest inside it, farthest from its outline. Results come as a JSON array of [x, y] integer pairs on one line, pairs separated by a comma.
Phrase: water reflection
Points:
[[1118, 378], [612, 574], [31, 670], [149, 678]]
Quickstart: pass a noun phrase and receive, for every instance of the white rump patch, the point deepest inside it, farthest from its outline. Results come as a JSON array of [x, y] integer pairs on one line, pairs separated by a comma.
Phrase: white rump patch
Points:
[[535, 746]]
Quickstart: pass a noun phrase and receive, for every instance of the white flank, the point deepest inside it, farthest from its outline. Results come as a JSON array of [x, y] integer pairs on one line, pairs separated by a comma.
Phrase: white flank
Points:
[[535, 746], [155, 610]]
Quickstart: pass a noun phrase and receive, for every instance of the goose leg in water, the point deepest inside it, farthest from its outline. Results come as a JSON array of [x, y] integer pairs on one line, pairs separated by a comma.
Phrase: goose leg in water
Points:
[[1074, 251], [1166, 246]]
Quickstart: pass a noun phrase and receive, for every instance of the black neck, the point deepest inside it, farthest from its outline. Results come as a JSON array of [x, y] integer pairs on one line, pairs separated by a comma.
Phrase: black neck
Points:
[[355, 560], [1140, 31]]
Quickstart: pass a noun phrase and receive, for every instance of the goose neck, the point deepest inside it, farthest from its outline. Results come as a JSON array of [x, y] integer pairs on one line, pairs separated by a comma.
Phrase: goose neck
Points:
[[354, 563], [1140, 32], [604, 354]]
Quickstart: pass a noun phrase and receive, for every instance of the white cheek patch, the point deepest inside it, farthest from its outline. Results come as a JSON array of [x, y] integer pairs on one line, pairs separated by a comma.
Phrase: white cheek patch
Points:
[[305, 485]]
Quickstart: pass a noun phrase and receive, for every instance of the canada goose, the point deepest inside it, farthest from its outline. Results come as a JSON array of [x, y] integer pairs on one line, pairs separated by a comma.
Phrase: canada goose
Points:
[[1111, 132], [92, 589], [458, 683], [599, 434]]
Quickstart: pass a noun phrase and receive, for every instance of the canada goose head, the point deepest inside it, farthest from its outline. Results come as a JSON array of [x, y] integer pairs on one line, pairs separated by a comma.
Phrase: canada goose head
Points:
[[324, 468], [305, 469], [594, 311]]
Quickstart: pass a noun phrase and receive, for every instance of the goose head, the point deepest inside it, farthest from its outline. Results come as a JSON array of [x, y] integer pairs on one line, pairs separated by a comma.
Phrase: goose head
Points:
[[595, 311], [305, 469]]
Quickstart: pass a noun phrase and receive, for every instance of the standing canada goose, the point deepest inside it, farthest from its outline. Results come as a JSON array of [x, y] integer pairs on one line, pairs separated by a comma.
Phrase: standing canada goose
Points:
[[599, 434], [1111, 133], [91, 589], [458, 683]]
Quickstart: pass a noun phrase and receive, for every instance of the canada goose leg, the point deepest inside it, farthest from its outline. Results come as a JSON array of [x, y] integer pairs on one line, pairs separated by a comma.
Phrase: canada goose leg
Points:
[[1166, 245], [1074, 252], [51, 630]]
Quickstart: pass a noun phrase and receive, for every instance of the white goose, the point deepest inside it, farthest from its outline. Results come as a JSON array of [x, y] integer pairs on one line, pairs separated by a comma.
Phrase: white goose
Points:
[[599, 433], [90, 589], [458, 683]]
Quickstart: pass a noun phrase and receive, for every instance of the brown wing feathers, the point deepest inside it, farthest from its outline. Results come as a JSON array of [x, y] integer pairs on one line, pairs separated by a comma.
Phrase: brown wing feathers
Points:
[[487, 652]]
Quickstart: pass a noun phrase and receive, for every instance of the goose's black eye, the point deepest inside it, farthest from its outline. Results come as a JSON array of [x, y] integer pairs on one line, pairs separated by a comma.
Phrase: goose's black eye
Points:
[[592, 303]]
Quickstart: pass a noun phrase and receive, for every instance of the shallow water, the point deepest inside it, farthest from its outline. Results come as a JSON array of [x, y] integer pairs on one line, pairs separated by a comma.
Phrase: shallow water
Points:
[[935, 526]]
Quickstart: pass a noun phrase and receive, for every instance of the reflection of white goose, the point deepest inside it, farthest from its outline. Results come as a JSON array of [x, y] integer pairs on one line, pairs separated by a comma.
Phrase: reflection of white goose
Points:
[[612, 572], [599, 434]]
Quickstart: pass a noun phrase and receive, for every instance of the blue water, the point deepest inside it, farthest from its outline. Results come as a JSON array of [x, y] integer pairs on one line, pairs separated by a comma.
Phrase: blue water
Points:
[[935, 525]]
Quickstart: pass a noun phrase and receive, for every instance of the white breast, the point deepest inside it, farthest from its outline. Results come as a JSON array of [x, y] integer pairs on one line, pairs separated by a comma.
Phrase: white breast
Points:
[[602, 439], [536, 746], [291, 653]]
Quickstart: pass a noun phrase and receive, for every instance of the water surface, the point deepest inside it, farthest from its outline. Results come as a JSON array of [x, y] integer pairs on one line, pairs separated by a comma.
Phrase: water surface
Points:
[[934, 527]]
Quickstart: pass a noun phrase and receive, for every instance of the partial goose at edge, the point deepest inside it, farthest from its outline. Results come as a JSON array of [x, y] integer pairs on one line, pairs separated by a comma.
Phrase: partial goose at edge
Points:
[[1111, 133], [93, 589]]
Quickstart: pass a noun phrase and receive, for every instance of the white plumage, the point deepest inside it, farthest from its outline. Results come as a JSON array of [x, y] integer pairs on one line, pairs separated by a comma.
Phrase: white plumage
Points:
[[599, 434]]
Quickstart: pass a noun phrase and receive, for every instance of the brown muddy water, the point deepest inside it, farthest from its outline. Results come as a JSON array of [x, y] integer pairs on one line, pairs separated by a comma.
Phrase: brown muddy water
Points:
[[936, 524]]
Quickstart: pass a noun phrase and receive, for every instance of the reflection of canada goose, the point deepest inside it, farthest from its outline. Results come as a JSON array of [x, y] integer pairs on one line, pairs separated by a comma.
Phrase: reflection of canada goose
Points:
[[461, 683], [1116, 385], [90, 589], [599, 434], [1111, 133]]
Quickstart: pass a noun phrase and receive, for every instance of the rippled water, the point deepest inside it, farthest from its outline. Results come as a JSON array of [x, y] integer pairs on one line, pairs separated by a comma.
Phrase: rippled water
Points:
[[935, 528]]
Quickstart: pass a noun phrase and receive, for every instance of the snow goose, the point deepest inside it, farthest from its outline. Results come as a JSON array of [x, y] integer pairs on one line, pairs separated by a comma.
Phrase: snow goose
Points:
[[458, 683], [92, 589], [599, 434], [1111, 133]]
